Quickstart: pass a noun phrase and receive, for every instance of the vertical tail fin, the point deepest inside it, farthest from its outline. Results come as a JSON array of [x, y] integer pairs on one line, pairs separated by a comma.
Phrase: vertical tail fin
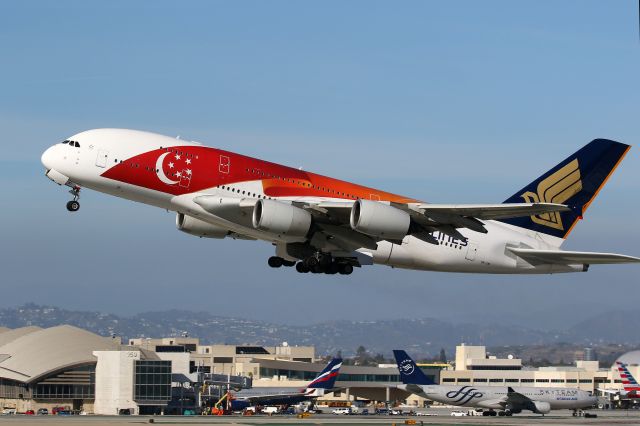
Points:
[[410, 373], [628, 381], [576, 182], [327, 377]]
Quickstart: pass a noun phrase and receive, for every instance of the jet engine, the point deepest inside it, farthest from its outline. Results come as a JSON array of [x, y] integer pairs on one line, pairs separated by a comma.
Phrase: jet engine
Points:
[[542, 407], [380, 220], [199, 228], [281, 218]]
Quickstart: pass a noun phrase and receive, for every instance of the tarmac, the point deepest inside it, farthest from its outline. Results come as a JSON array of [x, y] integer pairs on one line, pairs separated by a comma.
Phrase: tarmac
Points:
[[443, 417]]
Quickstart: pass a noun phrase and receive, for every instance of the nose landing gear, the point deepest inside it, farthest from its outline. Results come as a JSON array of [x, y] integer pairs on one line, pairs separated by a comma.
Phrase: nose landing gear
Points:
[[74, 205]]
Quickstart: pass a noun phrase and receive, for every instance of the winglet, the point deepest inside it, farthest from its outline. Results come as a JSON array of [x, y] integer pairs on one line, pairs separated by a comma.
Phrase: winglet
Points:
[[410, 373]]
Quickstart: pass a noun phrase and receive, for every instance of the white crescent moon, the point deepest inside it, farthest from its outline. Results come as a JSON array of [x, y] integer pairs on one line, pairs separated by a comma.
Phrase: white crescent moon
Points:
[[160, 172]]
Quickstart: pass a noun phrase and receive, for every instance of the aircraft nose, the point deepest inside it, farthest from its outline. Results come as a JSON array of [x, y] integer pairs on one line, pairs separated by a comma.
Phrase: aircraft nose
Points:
[[48, 157]]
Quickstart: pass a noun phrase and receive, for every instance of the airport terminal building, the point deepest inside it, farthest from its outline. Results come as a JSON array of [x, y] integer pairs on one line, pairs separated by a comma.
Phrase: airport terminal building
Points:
[[68, 367]]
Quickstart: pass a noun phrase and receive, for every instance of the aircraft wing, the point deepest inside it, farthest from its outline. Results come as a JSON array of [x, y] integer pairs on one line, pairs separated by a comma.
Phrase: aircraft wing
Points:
[[561, 257], [445, 218], [278, 398], [490, 211], [610, 391], [333, 218]]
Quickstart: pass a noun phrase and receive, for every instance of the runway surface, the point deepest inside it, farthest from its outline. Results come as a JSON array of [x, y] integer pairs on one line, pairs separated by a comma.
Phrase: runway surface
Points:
[[618, 417]]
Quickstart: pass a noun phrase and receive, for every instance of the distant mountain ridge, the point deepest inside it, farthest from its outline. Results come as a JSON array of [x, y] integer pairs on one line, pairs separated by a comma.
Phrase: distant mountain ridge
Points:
[[422, 337]]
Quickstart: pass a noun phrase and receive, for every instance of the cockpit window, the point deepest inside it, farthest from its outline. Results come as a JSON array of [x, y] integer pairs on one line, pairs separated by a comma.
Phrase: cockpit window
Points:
[[66, 141], [76, 144]]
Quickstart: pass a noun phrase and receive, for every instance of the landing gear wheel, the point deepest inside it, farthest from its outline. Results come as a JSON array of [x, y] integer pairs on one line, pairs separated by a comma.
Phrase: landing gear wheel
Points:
[[318, 269], [325, 261], [275, 262], [73, 206], [311, 262], [301, 268], [501, 413], [345, 269], [333, 269], [288, 263]]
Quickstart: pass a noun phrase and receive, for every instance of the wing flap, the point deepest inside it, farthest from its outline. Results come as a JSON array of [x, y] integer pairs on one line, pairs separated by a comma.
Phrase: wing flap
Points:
[[491, 211], [561, 257]]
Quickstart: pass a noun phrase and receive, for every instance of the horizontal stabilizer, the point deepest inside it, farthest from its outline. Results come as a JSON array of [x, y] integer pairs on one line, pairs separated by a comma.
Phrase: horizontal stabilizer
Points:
[[561, 257]]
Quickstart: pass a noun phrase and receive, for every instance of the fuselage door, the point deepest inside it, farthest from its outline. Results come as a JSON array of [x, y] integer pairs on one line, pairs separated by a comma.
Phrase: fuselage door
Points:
[[225, 165], [101, 159], [472, 251]]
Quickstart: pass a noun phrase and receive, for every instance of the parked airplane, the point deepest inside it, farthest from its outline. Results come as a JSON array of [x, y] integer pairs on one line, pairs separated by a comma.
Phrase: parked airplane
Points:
[[631, 388], [283, 396], [507, 399], [321, 224]]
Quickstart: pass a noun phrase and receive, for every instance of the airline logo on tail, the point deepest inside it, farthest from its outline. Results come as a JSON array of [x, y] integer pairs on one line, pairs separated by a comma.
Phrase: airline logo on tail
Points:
[[628, 382], [410, 373], [557, 188], [327, 377]]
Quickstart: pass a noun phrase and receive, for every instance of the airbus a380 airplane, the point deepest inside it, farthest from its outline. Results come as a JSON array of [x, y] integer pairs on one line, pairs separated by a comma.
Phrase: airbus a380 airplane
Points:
[[321, 224]]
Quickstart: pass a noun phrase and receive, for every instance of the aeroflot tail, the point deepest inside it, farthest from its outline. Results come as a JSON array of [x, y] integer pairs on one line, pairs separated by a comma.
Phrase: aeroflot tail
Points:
[[575, 182], [326, 379], [410, 373]]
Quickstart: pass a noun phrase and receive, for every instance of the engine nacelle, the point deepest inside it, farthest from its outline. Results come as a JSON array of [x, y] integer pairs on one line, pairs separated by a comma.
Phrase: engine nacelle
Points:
[[542, 407], [380, 220], [280, 218], [199, 228]]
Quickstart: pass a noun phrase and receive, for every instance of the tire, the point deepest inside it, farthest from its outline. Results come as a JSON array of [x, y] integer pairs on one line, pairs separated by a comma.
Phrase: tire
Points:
[[288, 263], [301, 268], [275, 262], [73, 206], [345, 269], [325, 261], [333, 269], [311, 262]]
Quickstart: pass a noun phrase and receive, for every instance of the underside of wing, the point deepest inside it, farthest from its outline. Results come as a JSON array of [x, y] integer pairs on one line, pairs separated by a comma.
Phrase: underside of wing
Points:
[[561, 257], [491, 211], [260, 399]]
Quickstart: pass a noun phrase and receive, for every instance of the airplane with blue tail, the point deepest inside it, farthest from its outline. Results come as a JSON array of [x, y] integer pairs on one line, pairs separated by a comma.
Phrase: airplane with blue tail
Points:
[[630, 386], [325, 225], [507, 400], [323, 383]]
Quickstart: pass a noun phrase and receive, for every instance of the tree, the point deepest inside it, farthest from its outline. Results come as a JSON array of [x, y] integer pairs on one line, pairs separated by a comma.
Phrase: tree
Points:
[[443, 355], [361, 351]]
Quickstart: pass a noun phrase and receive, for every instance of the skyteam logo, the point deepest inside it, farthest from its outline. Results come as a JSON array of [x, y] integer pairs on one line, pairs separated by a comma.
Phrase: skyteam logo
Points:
[[406, 367], [463, 395]]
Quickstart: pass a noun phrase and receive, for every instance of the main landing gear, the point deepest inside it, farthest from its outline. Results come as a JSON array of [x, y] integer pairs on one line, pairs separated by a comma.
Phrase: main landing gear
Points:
[[74, 205], [316, 264]]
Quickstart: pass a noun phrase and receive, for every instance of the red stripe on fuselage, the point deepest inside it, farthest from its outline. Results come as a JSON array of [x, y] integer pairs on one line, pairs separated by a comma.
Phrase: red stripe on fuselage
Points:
[[212, 167]]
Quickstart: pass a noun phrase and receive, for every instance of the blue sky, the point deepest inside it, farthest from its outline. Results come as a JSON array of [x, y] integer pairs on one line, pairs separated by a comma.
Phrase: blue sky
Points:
[[456, 101]]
